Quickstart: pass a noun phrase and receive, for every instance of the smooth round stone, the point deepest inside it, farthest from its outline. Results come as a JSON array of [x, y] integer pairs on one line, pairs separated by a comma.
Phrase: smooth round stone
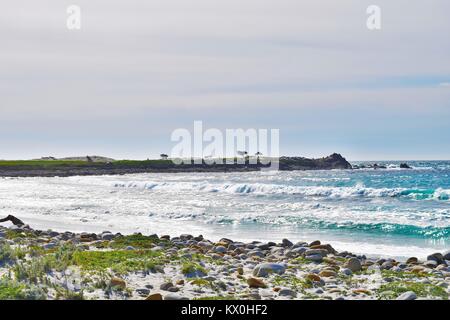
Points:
[[264, 269], [287, 293], [321, 252], [166, 286], [256, 254], [438, 257], [220, 249], [172, 296], [409, 295], [314, 257], [347, 271], [107, 236], [412, 260], [353, 264]]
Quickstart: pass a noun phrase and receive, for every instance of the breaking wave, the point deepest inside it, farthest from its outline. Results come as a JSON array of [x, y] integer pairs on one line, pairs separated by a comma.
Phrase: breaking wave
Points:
[[306, 191]]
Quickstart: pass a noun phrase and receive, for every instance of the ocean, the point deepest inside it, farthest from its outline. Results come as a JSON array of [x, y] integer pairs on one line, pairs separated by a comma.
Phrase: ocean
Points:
[[384, 212]]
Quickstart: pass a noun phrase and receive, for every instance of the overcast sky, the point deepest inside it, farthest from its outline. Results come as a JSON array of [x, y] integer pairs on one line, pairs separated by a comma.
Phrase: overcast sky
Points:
[[137, 70]]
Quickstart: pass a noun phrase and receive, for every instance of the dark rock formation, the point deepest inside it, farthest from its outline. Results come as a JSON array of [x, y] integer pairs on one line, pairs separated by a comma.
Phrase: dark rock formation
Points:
[[404, 166], [334, 161]]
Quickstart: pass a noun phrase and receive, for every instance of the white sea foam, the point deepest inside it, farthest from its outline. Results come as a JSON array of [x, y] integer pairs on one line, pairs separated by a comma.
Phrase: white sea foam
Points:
[[335, 206], [309, 191]]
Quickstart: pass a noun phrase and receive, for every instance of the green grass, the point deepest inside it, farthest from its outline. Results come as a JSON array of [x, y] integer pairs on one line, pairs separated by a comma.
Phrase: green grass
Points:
[[45, 163], [292, 281], [192, 268], [49, 164], [13, 290], [119, 261], [7, 254], [19, 234], [137, 241], [393, 289]]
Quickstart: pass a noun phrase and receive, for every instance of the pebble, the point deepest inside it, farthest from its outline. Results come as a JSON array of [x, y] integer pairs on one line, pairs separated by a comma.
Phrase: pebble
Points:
[[446, 255], [321, 252], [166, 286], [172, 296], [264, 269], [412, 260], [107, 236], [256, 283], [117, 282], [353, 264], [287, 292], [314, 257], [220, 249], [347, 271], [143, 291], [409, 295], [286, 243], [327, 273], [155, 296], [437, 257], [313, 277]]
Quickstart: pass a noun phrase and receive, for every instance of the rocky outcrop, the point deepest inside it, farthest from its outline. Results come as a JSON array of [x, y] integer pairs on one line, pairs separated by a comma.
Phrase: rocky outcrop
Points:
[[334, 161], [65, 169]]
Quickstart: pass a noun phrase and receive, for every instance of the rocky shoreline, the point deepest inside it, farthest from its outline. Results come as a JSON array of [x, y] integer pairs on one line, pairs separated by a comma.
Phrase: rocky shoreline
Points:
[[37, 264]]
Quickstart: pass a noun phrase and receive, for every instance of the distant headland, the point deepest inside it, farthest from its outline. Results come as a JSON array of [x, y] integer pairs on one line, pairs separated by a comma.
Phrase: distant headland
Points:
[[97, 165]]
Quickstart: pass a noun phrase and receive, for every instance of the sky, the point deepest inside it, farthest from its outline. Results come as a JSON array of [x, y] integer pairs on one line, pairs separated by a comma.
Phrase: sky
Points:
[[137, 70]]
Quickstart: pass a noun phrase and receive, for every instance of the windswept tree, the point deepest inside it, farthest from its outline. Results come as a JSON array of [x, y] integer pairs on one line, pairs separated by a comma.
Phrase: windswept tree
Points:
[[164, 156]]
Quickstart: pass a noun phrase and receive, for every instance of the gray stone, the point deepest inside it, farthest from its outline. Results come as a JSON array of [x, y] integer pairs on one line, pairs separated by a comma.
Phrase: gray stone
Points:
[[256, 253], [409, 295], [321, 252], [287, 293], [107, 236], [173, 289], [314, 257], [347, 271], [220, 249], [438, 257], [300, 244], [286, 243], [446, 255], [353, 264], [172, 296], [263, 246], [264, 269], [166, 286], [143, 292]]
